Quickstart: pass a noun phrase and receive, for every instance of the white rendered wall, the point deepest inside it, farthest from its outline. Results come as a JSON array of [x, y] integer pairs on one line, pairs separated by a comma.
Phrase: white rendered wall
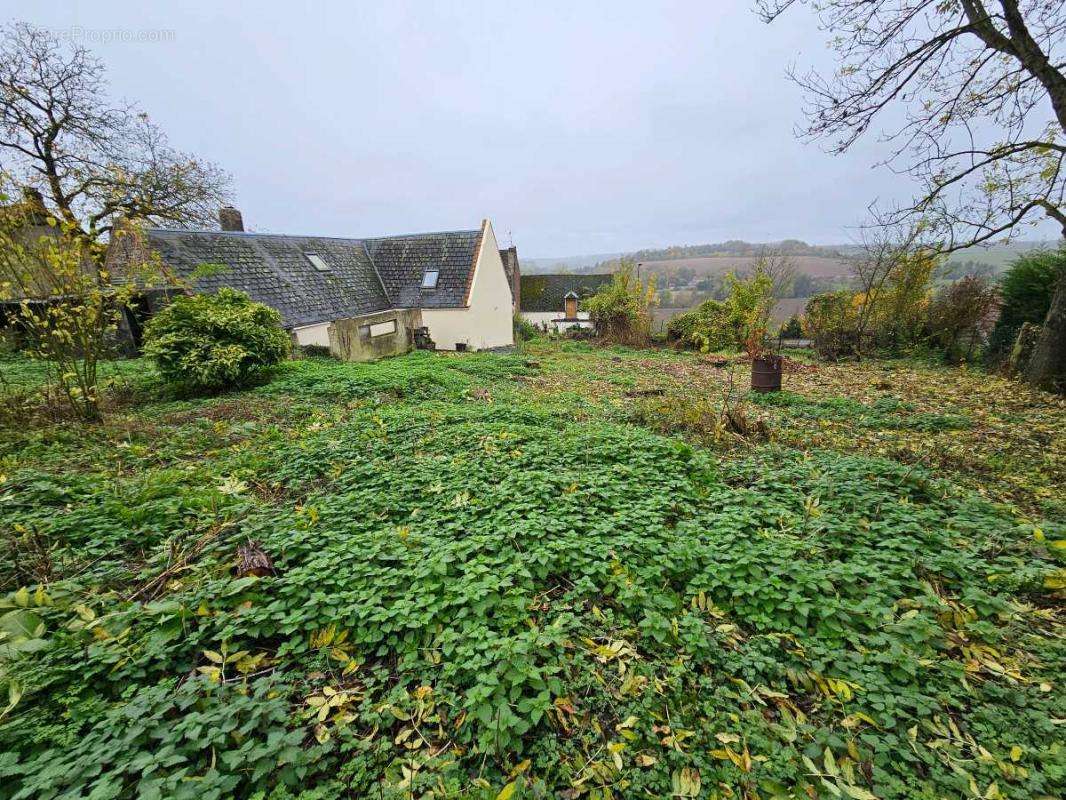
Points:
[[549, 320], [486, 321], [313, 334]]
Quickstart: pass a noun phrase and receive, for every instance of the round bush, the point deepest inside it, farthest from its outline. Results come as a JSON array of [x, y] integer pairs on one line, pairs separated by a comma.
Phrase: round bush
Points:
[[707, 327], [215, 341]]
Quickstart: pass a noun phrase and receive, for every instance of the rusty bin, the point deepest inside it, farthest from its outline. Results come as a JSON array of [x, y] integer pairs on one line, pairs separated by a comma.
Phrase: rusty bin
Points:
[[766, 373]]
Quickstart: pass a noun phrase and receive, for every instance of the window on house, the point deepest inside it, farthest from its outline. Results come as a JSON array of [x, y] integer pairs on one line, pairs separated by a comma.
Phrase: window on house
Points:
[[383, 328], [429, 279], [317, 262]]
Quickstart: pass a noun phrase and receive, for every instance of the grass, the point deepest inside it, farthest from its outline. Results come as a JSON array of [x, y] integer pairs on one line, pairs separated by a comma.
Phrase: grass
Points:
[[489, 580]]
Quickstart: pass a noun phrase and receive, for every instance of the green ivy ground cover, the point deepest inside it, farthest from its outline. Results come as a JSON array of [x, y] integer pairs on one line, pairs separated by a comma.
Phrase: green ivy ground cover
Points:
[[485, 589]]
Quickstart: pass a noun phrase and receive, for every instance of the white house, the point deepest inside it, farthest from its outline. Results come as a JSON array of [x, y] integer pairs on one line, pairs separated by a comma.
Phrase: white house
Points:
[[451, 282]]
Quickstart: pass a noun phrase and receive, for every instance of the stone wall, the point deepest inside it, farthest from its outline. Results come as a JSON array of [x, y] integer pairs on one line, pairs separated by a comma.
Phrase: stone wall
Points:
[[369, 337]]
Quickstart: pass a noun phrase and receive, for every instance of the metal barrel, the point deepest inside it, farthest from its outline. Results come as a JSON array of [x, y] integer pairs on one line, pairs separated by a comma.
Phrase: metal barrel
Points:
[[766, 374]]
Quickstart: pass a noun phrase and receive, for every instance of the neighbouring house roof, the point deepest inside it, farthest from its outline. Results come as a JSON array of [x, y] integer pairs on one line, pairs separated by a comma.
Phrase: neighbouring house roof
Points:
[[363, 275], [548, 292]]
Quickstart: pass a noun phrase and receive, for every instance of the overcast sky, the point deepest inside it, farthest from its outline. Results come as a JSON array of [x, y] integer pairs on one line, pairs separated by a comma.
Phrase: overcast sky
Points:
[[576, 127]]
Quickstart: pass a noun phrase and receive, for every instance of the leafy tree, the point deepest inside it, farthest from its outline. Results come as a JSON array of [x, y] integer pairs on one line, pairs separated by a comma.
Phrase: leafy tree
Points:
[[982, 92], [208, 342], [750, 303], [888, 309], [889, 254], [901, 313], [91, 169], [1026, 289]]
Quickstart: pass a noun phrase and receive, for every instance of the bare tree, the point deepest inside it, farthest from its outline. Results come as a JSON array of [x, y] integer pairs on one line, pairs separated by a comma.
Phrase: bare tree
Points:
[[982, 93], [94, 161], [779, 268], [84, 165], [885, 249]]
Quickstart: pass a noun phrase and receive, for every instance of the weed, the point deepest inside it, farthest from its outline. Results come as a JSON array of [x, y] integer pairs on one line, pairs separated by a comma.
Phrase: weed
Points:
[[531, 592]]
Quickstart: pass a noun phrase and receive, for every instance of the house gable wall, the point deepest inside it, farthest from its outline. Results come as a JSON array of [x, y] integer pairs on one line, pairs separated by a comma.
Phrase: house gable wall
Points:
[[486, 320]]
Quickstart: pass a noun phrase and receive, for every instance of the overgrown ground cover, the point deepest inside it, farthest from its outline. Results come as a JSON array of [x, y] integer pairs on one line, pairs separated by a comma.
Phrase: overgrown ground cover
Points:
[[532, 575]]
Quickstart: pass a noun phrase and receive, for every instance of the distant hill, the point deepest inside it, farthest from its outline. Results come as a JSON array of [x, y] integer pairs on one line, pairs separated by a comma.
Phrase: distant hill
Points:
[[736, 255], [816, 266], [565, 263], [736, 247]]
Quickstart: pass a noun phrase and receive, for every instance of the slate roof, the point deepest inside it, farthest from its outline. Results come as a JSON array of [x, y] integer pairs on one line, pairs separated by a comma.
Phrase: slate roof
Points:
[[366, 275], [548, 292], [402, 260]]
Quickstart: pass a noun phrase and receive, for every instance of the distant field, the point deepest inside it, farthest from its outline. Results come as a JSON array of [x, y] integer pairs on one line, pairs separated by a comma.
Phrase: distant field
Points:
[[815, 266], [564, 263], [997, 256]]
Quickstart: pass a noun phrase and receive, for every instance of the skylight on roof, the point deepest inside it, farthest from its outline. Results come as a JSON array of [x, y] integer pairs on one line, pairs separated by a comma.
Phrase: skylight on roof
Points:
[[317, 262], [429, 279]]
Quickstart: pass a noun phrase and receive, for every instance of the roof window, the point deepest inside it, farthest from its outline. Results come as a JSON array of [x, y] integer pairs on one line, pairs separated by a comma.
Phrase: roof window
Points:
[[429, 279], [317, 262]]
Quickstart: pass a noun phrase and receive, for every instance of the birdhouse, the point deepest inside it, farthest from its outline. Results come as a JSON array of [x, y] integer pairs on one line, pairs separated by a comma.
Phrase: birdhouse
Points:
[[570, 304]]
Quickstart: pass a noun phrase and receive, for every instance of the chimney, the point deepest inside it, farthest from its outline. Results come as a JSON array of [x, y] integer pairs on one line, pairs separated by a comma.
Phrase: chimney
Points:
[[126, 253], [33, 198], [514, 274], [33, 205], [229, 219]]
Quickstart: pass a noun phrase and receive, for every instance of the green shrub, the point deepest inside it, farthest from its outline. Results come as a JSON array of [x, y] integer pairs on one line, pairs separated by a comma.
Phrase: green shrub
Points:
[[893, 315], [1025, 291], [831, 322], [215, 341], [524, 330], [737, 321], [706, 327], [960, 316], [621, 310], [792, 329]]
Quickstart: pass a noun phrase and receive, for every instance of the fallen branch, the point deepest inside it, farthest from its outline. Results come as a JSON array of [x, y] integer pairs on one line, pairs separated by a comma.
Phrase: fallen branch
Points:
[[178, 563]]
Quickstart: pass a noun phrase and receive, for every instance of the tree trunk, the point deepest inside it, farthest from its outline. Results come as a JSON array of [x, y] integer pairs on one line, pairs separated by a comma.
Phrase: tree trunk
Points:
[[1047, 366]]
